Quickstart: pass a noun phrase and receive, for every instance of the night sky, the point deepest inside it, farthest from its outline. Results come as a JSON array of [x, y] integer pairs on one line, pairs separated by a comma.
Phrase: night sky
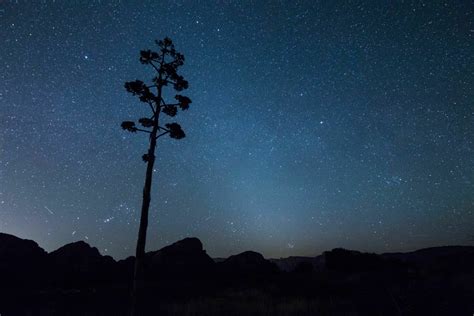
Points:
[[313, 125]]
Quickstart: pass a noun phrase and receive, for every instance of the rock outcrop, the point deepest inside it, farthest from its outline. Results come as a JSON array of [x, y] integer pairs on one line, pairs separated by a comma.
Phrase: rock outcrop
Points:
[[22, 262], [78, 265]]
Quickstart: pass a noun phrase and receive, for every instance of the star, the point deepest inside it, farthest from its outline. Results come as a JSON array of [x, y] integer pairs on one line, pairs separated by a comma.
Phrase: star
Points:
[[298, 129]]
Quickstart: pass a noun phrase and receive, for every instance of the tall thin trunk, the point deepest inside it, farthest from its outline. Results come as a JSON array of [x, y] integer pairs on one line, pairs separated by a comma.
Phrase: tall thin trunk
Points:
[[139, 270]]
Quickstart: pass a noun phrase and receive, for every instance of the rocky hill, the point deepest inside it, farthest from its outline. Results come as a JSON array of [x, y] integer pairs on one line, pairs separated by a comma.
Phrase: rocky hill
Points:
[[76, 276]]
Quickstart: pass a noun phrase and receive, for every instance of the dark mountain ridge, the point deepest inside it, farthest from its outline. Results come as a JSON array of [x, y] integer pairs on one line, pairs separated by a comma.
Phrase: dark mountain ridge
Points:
[[30, 277]]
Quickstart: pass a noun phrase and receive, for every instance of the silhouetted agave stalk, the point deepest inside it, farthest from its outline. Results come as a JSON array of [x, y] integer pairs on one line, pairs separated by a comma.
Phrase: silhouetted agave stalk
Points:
[[165, 62]]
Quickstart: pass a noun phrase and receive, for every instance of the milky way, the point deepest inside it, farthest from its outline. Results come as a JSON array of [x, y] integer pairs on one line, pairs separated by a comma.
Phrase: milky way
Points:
[[313, 125]]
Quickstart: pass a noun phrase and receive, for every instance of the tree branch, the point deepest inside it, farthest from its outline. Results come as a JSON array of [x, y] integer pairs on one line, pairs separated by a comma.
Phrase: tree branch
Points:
[[152, 108], [163, 101], [156, 68], [142, 130], [164, 133]]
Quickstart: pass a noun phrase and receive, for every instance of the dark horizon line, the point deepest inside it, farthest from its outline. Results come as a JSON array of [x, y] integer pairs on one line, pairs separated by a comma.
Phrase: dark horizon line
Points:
[[268, 258]]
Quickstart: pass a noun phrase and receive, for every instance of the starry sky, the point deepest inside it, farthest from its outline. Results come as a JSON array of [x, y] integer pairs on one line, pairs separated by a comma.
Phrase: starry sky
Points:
[[314, 125]]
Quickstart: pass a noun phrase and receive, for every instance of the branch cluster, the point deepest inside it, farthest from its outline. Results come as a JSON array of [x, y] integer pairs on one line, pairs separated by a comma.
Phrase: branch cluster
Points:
[[165, 62]]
